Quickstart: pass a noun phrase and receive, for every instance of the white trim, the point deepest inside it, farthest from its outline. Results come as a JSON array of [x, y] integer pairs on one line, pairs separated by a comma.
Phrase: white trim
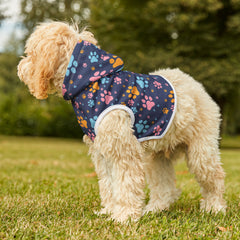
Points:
[[109, 109]]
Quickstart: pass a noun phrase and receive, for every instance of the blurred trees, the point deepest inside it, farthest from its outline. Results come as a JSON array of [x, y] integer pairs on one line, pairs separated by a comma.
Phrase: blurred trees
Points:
[[36, 11], [21, 114], [2, 16], [199, 37]]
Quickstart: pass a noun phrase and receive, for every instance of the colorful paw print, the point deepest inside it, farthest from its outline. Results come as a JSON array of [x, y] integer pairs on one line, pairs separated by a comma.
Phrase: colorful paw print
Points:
[[97, 75], [165, 110], [93, 121], [148, 103], [130, 102], [76, 105], [115, 61], [64, 90], [93, 87], [134, 109], [171, 96], [93, 57], [143, 83], [118, 80], [133, 92], [105, 80], [82, 122], [142, 126], [106, 97], [71, 66], [104, 58], [157, 84], [91, 135], [157, 130], [85, 43], [91, 103]]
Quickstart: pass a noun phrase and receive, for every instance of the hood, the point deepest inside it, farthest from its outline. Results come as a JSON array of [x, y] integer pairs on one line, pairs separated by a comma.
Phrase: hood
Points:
[[88, 64]]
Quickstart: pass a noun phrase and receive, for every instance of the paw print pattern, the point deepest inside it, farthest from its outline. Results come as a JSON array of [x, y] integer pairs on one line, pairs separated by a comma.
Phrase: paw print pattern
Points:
[[64, 90], [77, 105], [171, 96], [165, 110], [104, 58], [157, 84], [93, 87], [132, 92], [118, 80], [73, 64], [142, 82], [91, 135], [93, 57], [157, 130], [106, 97], [116, 61], [97, 75], [93, 121], [91, 103], [142, 126], [134, 109], [148, 103], [82, 122], [105, 80]]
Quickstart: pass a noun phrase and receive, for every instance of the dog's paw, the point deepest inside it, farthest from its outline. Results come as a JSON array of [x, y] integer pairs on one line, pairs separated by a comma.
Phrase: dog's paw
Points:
[[213, 205], [154, 207], [103, 211], [124, 215], [163, 203]]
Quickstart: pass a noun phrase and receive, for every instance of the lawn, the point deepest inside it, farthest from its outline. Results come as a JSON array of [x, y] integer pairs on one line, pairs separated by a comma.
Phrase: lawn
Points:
[[48, 190]]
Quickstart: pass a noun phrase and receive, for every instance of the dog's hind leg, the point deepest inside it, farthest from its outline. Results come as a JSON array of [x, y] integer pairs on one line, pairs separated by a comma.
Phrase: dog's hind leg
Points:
[[204, 161], [123, 154], [160, 177]]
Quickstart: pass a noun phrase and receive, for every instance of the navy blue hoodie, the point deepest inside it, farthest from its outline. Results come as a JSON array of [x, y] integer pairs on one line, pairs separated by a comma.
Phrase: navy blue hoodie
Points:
[[96, 85]]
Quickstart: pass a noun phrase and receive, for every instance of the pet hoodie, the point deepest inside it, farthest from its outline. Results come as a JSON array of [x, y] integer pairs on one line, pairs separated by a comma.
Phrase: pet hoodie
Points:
[[96, 85]]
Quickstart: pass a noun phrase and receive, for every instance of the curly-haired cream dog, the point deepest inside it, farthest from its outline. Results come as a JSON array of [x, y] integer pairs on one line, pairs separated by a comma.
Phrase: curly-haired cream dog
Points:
[[135, 124]]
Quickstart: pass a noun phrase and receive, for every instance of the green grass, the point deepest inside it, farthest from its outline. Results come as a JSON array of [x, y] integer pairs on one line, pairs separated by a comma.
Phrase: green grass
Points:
[[230, 142], [48, 191]]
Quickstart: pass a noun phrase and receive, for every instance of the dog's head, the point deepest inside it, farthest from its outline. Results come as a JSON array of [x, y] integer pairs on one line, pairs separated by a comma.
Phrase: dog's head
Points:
[[48, 51]]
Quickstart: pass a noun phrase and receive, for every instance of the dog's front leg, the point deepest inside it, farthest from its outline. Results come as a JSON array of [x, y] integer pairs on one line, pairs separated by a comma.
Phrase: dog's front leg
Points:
[[123, 155], [104, 177]]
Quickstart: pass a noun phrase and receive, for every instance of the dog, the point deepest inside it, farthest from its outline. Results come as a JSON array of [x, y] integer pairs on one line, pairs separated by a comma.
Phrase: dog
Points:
[[125, 145]]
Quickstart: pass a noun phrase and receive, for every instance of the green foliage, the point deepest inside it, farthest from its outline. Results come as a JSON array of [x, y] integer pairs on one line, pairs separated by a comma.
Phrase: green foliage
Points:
[[2, 15], [8, 78], [30, 117], [21, 114], [48, 191], [36, 11]]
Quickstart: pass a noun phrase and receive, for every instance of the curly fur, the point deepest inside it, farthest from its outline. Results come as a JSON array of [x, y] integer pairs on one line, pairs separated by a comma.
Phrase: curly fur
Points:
[[121, 162]]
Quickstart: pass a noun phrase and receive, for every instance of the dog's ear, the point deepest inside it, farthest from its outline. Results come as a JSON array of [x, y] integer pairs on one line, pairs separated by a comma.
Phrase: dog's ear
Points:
[[38, 68], [45, 66]]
